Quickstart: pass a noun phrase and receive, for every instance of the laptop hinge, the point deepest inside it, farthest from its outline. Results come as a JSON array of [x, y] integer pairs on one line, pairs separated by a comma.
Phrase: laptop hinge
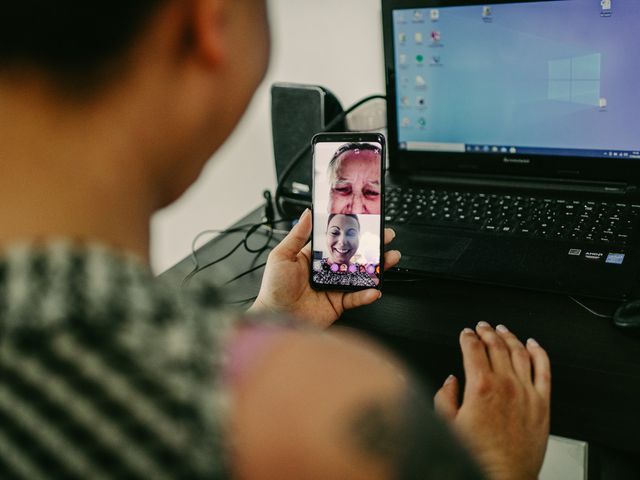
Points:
[[542, 184]]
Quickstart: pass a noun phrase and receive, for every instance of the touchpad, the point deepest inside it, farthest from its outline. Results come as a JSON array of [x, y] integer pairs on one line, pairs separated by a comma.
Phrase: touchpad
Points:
[[428, 252]]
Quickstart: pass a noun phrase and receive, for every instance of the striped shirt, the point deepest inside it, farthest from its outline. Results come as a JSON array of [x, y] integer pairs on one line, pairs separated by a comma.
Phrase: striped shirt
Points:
[[105, 372]]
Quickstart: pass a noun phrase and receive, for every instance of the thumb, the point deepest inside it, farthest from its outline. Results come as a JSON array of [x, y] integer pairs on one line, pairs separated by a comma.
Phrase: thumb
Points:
[[296, 238], [446, 399]]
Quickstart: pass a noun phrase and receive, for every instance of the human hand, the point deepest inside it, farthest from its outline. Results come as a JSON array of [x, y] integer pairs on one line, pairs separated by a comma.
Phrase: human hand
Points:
[[286, 288], [504, 416]]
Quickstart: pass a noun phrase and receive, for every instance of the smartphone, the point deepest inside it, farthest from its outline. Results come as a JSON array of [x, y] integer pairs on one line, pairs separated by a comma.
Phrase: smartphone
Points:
[[348, 211]]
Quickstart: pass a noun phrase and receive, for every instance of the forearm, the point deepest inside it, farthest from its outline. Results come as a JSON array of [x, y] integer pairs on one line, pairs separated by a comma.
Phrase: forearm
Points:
[[319, 406]]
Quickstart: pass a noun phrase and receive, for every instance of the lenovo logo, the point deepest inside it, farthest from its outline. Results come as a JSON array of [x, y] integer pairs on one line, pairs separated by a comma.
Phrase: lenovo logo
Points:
[[522, 161]]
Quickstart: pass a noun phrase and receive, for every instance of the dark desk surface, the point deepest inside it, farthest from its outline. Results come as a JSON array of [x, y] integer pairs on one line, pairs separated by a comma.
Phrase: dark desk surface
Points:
[[596, 368]]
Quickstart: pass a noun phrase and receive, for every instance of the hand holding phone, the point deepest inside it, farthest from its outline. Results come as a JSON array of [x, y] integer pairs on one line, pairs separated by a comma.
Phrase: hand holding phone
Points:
[[348, 203]]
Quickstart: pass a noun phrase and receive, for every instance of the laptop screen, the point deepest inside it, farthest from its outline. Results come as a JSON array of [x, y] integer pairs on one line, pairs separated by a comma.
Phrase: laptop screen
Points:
[[559, 78]]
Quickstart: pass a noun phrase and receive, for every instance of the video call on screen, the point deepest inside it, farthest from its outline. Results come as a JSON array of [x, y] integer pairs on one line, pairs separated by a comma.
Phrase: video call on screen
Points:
[[347, 213]]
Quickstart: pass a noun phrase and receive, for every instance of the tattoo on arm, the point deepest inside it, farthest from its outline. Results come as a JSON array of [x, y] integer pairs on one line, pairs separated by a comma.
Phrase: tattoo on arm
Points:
[[405, 434]]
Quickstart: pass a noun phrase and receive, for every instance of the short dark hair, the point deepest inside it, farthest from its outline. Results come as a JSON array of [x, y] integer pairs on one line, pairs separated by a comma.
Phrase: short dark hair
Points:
[[76, 43]]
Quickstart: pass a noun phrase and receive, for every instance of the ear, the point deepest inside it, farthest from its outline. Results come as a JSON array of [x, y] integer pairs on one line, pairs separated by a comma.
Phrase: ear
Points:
[[210, 30]]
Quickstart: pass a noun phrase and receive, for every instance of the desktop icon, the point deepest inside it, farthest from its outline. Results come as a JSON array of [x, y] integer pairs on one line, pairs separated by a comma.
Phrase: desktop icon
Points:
[[487, 13], [420, 81], [343, 267], [417, 16], [405, 101], [421, 102], [402, 37], [436, 60], [494, 149], [503, 149], [418, 37], [419, 59], [335, 267], [371, 269], [353, 268], [512, 150], [317, 265], [435, 36], [606, 8], [402, 59], [422, 122], [435, 14], [406, 122], [602, 103]]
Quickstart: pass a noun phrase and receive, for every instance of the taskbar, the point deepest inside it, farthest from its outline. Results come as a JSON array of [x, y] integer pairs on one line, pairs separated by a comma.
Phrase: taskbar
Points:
[[444, 147]]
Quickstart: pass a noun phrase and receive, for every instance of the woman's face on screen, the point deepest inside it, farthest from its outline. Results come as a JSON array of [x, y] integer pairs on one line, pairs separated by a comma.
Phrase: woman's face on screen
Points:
[[343, 238]]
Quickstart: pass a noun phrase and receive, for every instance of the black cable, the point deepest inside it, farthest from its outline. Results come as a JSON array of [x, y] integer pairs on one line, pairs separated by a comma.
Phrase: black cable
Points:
[[303, 151], [253, 228], [247, 272], [240, 302], [591, 311]]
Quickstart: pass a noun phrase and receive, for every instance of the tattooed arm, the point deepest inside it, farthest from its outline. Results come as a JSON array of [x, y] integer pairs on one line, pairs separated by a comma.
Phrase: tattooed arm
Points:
[[335, 406]]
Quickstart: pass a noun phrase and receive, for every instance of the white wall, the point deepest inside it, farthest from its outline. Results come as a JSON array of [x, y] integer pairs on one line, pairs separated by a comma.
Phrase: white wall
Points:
[[333, 43]]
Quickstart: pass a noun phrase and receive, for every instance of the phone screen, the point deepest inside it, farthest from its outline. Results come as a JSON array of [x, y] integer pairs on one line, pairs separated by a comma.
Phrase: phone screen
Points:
[[348, 201]]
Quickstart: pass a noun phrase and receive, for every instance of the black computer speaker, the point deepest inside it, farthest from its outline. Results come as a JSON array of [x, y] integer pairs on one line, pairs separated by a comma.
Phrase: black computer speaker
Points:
[[298, 112]]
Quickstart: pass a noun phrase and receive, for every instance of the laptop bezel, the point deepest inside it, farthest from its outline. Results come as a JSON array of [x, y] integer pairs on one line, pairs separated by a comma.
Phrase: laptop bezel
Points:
[[512, 165]]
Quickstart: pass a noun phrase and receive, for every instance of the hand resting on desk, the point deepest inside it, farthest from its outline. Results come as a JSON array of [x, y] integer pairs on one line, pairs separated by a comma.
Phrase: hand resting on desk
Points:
[[285, 284], [504, 416]]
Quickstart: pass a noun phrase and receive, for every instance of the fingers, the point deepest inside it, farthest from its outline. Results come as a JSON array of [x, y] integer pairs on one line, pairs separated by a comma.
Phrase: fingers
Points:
[[389, 235], [474, 357], [446, 400], [520, 357], [296, 239], [541, 369], [505, 354], [391, 259], [497, 349], [362, 297]]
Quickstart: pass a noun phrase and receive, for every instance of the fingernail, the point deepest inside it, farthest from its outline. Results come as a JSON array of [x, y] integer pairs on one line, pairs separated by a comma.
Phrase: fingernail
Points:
[[306, 210], [393, 233], [379, 294], [449, 379], [468, 331], [502, 329], [399, 253], [533, 343], [482, 324]]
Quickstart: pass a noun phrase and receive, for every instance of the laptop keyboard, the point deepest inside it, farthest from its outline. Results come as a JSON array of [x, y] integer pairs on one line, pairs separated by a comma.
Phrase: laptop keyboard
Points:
[[518, 215]]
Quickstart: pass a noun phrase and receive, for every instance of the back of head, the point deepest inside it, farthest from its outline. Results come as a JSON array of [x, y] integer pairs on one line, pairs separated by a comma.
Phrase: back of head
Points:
[[76, 44]]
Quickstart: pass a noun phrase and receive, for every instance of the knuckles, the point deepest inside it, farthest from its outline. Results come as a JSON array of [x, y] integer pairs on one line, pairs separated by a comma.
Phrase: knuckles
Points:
[[521, 355]]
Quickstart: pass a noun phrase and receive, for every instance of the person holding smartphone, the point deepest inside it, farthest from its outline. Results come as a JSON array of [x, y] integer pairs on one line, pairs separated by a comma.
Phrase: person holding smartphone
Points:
[[109, 112]]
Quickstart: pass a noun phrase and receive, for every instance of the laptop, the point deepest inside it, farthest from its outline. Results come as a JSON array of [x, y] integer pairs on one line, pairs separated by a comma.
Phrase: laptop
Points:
[[514, 142]]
